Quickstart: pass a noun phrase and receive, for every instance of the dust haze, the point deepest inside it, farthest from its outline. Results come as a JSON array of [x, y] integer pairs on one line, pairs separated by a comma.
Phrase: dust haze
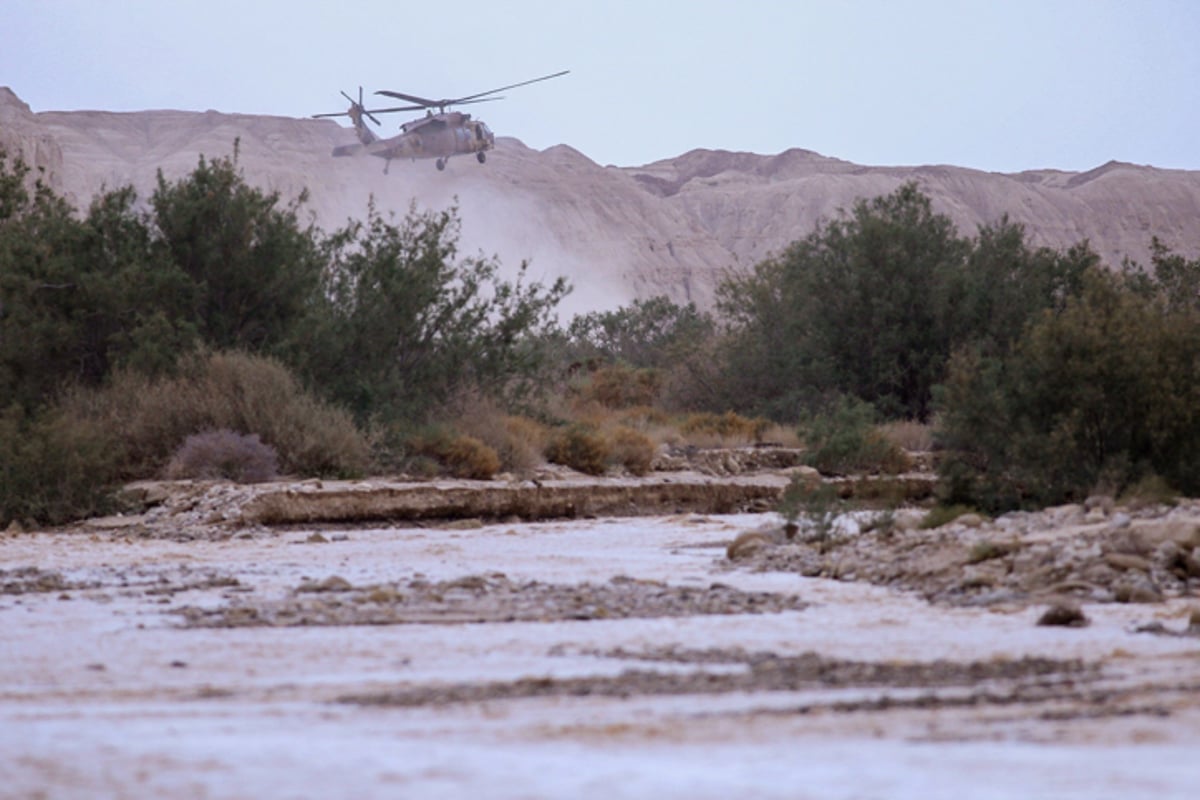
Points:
[[673, 227]]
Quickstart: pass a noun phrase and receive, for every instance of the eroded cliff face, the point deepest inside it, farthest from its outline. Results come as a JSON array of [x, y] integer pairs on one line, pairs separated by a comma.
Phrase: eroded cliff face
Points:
[[23, 136], [673, 227]]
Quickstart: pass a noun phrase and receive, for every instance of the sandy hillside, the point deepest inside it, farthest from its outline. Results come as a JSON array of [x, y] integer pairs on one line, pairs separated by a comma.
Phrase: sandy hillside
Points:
[[670, 227]]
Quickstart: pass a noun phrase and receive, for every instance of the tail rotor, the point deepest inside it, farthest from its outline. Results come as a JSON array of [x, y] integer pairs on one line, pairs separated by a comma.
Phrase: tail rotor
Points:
[[355, 112]]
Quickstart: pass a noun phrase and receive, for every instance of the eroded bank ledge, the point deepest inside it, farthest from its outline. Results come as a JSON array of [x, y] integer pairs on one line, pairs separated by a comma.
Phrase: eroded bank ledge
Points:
[[557, 499]]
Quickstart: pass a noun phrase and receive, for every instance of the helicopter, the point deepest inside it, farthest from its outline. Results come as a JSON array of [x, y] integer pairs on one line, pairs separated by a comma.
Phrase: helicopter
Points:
[[436, 135]]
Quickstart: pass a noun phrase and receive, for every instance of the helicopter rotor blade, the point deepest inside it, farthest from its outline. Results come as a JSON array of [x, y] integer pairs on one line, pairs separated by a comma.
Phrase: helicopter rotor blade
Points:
[[442, 105], [470, 97], [363, 109], [477, 100], [397, 108], [412, 98]]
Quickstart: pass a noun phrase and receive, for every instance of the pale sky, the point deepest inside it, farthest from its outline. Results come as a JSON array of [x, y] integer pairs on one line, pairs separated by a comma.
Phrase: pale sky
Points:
[[1001, 86]]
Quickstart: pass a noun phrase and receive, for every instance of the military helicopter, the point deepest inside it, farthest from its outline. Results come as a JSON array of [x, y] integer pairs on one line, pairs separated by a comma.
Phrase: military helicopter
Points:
[[442, 135]]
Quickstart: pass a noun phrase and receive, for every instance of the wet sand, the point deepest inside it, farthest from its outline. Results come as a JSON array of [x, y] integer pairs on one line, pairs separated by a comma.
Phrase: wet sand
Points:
[[613, 657]]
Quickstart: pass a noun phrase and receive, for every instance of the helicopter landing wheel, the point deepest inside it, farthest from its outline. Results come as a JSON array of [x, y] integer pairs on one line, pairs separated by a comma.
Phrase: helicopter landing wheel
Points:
[[441, 164], [481, 156]]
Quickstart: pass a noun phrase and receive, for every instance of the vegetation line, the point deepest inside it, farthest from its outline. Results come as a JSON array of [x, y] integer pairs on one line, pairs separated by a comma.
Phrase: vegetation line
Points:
[[211, 333]]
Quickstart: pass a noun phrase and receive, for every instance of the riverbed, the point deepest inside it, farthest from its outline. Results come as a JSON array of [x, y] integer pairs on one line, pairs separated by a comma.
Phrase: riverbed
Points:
[[609, 657]]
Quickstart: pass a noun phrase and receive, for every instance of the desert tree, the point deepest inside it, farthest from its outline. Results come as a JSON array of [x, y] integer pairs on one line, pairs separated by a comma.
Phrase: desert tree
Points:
[[1093, 396], [872, 305], [253, 267], [405, 322]]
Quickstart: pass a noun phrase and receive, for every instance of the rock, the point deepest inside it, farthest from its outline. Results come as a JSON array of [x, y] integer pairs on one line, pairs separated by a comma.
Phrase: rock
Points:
[[1137, 590], [1066, 615], [334, 583], [1185, 533], [908, 519], [969, 520], [749, 543], [987, 549], [466, 524], [146, 494], [1191, 563], [806, 473], [1069, 514], [1119, 521], [1177, 560], [1126, 561], [116, 522], [1099, 502]]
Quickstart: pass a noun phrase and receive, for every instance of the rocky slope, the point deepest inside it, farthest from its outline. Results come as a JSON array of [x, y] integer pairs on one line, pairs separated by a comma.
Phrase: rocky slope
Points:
[[670, 227]]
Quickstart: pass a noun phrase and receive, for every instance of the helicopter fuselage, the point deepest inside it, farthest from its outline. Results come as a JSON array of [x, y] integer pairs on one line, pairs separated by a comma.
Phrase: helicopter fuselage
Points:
[[436, 136], [439, 136]]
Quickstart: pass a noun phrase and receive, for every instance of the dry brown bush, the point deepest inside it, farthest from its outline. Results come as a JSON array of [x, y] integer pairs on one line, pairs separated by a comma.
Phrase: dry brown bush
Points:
[[524, 442], [467, 457], [580, 447], [440, 449], [707, 429], [915, 437], [620, 386], [644, 417], [242, 393], [631, 449], [518, 441]]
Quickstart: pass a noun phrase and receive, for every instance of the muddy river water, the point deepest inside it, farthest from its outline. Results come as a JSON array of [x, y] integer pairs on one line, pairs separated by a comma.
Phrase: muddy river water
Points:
[[608, 658]]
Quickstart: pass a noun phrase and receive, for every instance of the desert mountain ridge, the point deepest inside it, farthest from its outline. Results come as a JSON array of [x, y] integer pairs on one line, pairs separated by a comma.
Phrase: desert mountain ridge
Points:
[[672, 227]]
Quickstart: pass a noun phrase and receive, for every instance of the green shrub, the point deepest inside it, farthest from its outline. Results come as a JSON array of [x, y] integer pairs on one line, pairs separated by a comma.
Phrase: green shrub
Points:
[[403, 325], [812, 501], [873, 304], [845, 440], [1100, 394], [224, 454], [55, 468], [580, 447]]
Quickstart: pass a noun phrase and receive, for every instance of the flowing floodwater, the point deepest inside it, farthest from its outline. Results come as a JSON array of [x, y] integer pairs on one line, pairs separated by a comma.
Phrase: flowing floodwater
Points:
[[601, 658]]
